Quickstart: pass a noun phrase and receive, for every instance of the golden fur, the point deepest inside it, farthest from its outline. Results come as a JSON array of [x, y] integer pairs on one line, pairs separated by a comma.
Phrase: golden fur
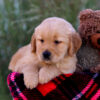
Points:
[[29, 61]]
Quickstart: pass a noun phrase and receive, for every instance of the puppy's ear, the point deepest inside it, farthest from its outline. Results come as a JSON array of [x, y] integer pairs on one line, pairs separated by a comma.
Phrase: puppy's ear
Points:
[[33, 43], [74, 43]]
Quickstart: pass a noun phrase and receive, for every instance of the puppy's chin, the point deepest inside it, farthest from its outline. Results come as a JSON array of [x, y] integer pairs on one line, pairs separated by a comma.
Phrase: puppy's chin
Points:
[[50, 62], [47, 62], [43, 61], [53, 60]]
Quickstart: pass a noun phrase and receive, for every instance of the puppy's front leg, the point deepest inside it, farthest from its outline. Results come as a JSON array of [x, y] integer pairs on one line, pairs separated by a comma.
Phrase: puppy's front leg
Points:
[[30, 76], [48, 73]]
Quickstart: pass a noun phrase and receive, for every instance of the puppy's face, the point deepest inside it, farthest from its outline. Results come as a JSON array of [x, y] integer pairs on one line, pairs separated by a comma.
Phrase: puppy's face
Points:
[[51, 43], [51, 46]]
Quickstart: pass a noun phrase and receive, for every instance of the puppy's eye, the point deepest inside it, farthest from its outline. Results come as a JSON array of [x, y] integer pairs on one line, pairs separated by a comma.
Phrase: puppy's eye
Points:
[[41, 40], [57, 42]]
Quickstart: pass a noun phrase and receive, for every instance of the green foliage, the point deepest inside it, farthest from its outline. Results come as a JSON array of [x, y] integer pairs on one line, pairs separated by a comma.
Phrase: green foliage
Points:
[[18, 18]]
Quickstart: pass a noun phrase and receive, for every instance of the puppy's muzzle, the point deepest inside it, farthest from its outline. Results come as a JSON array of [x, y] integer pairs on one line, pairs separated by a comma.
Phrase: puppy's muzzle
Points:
[[46, 55]]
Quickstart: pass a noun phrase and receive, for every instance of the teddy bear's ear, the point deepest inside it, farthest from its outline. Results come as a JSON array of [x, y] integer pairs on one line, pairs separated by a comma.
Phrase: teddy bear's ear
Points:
[[97, 15], [85, 14], [97, 12]]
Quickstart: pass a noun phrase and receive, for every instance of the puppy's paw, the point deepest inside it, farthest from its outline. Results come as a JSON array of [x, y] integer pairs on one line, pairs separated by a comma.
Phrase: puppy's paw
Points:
[[30, 81], [43, 77], [48, 73]]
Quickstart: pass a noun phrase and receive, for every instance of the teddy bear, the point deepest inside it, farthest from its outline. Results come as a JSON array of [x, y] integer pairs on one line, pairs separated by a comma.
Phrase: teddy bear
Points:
[[89, 30]]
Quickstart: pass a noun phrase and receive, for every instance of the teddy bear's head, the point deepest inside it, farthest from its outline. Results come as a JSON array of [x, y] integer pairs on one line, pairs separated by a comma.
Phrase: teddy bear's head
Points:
[[89, 27]]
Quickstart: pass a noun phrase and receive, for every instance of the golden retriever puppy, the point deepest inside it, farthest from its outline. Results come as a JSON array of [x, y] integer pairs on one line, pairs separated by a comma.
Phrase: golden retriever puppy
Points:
[[52, 51]]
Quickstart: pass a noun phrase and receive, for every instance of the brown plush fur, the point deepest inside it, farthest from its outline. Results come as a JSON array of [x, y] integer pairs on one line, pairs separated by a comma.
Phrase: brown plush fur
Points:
[[29, 59], [88, 56], [89, 22]]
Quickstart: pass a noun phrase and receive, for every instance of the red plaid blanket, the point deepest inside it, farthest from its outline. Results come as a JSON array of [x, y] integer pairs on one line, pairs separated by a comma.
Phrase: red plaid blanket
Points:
[[77, 86]]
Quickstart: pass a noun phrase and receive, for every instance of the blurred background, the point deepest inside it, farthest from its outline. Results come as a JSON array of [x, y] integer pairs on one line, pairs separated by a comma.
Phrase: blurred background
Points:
[[18, 18]]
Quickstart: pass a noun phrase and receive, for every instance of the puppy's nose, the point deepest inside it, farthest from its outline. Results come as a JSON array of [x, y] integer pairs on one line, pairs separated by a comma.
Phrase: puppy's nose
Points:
[[46, 55]]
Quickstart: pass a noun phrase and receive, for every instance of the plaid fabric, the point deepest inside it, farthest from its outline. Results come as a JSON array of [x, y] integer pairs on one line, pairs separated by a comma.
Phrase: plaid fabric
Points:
[[77, 86]]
